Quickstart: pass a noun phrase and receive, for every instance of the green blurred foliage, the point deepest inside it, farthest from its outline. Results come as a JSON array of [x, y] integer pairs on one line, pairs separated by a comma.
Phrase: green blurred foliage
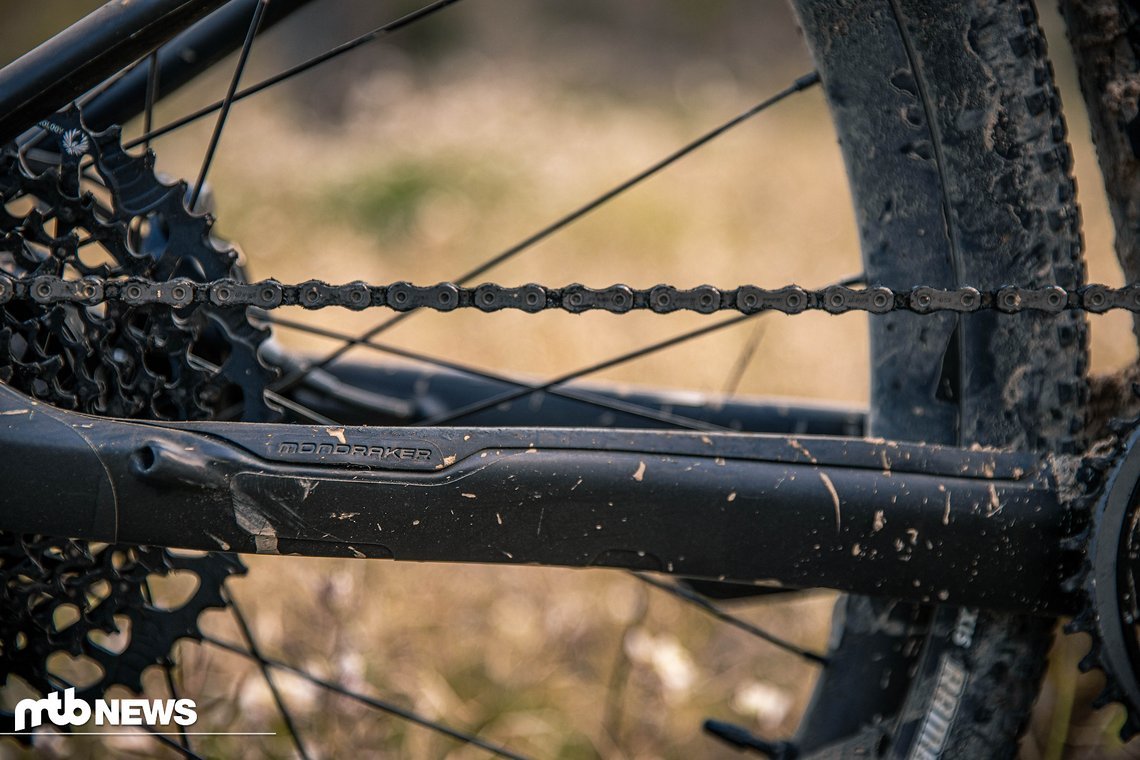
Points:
[[389, 201]]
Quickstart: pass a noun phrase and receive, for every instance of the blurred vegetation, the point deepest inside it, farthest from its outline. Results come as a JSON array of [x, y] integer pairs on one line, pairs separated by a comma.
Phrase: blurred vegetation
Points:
[[391, 201]]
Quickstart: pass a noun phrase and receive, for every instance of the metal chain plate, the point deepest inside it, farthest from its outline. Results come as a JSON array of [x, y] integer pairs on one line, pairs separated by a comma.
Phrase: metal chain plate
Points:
[[617, 299]]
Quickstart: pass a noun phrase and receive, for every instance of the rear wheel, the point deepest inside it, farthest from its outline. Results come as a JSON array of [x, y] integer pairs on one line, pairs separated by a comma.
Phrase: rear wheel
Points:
[[955, 147]]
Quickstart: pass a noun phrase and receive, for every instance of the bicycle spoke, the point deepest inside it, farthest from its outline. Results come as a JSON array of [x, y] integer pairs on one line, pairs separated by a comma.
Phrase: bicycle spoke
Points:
[[287, 74], [748, 350], [616, 405], [378, 704], [652, 348], [168, 673], [34, 134], [743, 359], [478, 406], [798, 85], [227, 102], [802, 83], [167, 670], [300, 409], [255, 653], [151, 95], [291, 405], [699, 601], [90, 95], [612, 712]]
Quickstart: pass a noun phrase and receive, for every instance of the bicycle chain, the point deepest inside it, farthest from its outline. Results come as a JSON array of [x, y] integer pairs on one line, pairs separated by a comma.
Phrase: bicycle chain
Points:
[[617, 299]]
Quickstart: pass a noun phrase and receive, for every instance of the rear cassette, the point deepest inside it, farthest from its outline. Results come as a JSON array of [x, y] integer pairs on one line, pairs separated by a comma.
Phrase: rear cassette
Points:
[[76, 205]]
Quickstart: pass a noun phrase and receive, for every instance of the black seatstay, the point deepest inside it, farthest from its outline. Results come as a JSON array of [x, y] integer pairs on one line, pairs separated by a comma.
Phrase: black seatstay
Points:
[[111, 38]]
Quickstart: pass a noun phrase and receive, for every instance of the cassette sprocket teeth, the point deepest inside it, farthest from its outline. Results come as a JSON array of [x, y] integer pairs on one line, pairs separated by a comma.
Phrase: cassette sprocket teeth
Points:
[[95, 210]]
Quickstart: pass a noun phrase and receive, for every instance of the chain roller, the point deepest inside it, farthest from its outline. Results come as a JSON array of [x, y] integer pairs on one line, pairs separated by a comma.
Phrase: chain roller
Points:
[[1101, 298]]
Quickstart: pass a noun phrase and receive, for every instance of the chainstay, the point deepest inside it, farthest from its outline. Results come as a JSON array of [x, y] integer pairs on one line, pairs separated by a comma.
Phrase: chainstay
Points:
[[617, 299]]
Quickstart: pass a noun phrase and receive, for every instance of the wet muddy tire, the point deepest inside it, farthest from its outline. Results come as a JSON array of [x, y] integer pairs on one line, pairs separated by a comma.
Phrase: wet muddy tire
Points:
[[954, 142]]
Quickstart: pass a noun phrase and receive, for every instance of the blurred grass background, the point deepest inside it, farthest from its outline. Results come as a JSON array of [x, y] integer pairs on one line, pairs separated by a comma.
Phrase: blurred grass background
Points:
[[420, 156]]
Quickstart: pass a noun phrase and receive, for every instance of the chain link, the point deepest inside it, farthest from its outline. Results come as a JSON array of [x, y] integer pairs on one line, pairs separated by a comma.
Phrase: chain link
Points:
[[617, 299]]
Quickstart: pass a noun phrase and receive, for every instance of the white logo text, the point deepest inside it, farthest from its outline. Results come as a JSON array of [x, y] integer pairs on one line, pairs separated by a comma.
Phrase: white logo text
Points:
[[70, 711]]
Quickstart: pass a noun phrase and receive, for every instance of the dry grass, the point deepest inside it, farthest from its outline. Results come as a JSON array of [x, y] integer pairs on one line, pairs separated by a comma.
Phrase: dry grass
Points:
[[434, 173]]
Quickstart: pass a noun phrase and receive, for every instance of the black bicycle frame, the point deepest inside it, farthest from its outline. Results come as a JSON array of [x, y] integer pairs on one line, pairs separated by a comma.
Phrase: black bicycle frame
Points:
[[68, 65], [107, 41], [926, 523], [923, 523]]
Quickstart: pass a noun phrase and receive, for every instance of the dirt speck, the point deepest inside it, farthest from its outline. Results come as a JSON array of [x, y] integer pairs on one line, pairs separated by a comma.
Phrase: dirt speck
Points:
[[994, 506], [834, 499], [795, 444]]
